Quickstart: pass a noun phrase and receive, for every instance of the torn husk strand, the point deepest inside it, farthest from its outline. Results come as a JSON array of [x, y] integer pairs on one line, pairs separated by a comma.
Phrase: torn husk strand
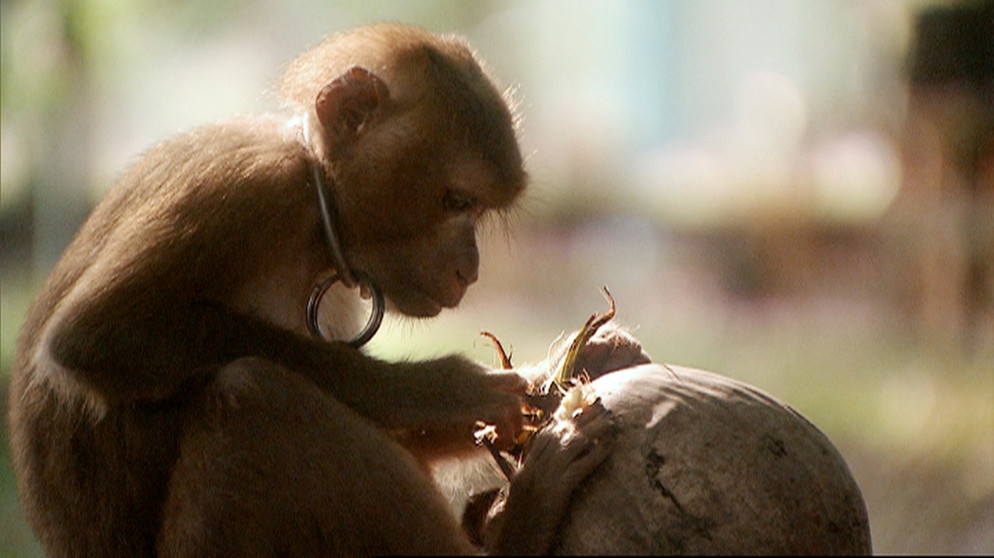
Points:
[[572, 396], [564, 376]]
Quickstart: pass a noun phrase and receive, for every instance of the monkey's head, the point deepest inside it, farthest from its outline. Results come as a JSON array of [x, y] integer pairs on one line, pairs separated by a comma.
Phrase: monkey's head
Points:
[[417, 145]]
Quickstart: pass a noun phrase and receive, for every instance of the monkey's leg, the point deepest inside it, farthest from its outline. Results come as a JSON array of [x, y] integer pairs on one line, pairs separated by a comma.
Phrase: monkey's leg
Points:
[[269, 465]]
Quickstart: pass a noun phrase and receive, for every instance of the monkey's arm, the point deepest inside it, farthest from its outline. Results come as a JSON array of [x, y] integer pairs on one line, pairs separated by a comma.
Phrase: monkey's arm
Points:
[[139, 325], [128, 348]]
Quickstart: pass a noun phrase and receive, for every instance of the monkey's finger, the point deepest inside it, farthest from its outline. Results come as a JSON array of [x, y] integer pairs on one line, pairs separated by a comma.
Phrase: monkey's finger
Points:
[[596, 424], [507, 427], [598, 429], [592, 413]]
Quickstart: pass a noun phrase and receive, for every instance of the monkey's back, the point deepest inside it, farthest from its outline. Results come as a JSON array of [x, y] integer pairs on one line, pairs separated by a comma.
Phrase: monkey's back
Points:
[[93, 476]]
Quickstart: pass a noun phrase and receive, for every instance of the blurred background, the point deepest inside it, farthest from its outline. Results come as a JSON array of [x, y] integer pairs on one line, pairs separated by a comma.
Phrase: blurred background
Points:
[[799, 195]]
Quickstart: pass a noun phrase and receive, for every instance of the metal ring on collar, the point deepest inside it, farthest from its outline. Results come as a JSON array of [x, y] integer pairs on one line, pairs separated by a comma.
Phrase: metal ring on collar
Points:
[[375, 318]]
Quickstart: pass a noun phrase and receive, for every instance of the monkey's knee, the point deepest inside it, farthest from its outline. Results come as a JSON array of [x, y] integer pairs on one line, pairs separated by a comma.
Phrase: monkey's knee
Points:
[[243, 382], [246, 465]]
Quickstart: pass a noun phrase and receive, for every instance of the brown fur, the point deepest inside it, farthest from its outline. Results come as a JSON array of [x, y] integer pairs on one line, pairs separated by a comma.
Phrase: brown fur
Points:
[[166, 397]]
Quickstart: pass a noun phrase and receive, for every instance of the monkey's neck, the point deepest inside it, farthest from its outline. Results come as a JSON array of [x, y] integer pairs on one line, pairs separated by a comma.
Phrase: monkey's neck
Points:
[[329, 211], [349, 277]]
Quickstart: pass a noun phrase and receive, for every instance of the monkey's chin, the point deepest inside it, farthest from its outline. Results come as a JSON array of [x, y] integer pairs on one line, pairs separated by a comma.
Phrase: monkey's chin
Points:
[[420, 305], [419, 309]]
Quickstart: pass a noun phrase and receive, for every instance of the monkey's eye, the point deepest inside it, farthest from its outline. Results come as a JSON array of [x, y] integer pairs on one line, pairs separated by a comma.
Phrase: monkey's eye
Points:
[[458, 202]]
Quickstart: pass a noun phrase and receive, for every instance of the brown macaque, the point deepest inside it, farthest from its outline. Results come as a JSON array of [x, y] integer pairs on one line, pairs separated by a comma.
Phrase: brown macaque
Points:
[[167, 398]]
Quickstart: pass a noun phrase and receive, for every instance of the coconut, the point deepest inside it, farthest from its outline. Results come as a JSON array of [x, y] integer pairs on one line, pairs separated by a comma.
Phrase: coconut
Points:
[[705, 464]]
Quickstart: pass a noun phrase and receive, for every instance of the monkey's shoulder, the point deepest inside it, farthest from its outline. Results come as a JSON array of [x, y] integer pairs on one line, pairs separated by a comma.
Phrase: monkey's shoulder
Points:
[[246, 138], [249, 150]]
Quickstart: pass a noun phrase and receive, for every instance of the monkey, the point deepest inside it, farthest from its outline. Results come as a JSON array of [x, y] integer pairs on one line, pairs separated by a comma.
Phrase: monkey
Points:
[[169, 396]]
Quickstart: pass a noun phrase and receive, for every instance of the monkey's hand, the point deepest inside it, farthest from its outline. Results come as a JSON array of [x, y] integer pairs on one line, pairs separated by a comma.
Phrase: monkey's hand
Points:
[[494, 398], [561, 457], [446, 398]]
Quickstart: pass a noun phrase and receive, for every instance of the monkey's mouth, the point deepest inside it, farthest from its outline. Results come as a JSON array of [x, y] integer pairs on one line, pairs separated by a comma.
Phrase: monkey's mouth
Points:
[[423, 303]]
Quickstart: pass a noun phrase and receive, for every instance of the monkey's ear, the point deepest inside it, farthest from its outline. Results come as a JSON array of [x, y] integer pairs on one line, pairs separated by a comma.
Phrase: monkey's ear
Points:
[[346, 103]]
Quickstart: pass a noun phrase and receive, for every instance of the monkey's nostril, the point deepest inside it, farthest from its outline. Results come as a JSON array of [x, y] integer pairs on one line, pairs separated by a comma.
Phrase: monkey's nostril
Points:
[[467, 265], [466, 277]]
